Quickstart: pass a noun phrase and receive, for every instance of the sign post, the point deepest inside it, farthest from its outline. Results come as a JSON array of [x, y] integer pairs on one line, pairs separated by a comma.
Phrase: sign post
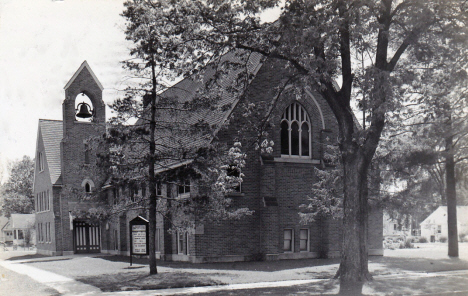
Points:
[[139, 237]]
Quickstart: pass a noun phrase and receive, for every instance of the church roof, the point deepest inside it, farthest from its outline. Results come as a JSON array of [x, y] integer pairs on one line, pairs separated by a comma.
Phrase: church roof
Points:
[[52, 133], [170, 137]]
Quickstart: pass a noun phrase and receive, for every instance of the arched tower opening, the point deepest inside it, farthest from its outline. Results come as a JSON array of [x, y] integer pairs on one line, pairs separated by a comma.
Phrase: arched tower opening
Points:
[[84, 109]]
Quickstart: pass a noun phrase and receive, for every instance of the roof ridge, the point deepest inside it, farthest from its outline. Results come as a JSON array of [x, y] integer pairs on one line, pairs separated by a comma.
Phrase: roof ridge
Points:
[[42, 119]]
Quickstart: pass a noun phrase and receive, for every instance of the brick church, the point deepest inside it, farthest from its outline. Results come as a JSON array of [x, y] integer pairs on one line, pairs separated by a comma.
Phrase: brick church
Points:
[[273, 186]]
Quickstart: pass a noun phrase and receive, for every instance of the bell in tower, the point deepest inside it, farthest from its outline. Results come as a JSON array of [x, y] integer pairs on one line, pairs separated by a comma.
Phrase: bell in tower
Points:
[[84, 110]]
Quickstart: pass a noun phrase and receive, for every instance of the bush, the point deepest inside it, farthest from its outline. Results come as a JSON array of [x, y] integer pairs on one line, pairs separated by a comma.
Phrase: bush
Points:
[[422, 239], [442, 239], [463, 237], [408, 244]]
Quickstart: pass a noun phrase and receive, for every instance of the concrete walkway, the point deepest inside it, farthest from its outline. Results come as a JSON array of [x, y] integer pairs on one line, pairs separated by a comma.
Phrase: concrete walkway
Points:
[[64, 285]]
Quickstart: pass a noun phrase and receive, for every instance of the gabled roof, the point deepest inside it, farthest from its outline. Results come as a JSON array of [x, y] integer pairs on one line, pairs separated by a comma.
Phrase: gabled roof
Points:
[[84, 65], [52, 133], [441, 211], [3, 222], [7, 226], [171, 140], [22, 221]]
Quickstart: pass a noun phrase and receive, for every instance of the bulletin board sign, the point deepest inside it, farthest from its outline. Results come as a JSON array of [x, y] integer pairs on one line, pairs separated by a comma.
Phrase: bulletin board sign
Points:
[[139, 236]]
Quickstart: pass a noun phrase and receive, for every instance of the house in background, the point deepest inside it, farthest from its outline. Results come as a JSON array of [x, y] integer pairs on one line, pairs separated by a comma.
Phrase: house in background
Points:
[[20, 229], [394, 228], [400, 227], [6, 234], [435, 225]]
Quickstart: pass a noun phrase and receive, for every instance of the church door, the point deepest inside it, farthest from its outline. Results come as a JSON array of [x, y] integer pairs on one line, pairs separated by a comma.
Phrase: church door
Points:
[[86, 237]]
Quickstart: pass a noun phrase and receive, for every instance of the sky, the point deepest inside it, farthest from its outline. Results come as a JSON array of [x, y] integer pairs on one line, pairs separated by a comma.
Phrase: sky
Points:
[[42, 44]]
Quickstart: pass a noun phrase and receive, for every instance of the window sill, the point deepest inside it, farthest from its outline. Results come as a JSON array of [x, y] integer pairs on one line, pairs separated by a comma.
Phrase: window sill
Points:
[[296, 160], [183, 195], [235, 194]]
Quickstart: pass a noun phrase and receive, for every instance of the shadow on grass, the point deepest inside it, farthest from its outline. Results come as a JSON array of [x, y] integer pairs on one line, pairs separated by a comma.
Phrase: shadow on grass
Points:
[[26, 257], [131, 281], [421, 264], [267, 266]]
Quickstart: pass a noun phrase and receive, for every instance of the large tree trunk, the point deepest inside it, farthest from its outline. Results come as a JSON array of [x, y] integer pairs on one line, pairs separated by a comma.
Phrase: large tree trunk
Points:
[[451, 195], [354, 250]]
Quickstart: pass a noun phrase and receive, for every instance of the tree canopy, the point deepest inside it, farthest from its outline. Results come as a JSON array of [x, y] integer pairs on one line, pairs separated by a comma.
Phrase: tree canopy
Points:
[[16, 193], [371, 55]]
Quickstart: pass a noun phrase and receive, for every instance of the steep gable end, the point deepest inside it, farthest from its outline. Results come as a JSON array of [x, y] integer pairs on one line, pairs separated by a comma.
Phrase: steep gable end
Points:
[[51, 132], [84, 69]]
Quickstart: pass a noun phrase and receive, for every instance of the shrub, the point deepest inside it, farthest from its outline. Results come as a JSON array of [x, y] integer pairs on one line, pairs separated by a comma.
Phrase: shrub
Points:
[[422, 239], [409, 243], [463, 237], [442, 239]]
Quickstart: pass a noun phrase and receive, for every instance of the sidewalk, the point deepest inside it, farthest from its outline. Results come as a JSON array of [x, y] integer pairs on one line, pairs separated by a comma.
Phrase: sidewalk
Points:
[[89, 275]]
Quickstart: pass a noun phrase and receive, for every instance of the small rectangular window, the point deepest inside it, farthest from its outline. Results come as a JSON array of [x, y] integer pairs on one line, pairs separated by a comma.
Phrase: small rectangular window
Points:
[[132, 191], [288, 240], [86, 153], [116, 195], [234, 171], [116, 240], [439, 228], [157, 238], [184, 188], [143, 189], [180, 243], [187, 243], [304, 240], [159, 188], [20, 234], [41, 161]]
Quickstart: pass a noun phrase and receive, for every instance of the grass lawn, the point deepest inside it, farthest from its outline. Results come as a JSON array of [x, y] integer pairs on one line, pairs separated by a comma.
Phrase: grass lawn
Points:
[[130, 281]]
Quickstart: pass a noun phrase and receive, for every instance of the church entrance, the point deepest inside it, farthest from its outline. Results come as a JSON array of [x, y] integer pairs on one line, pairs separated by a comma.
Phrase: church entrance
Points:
[[86, 237]]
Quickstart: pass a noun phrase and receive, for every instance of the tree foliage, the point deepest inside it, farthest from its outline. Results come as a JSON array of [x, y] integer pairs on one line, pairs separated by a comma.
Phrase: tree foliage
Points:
[[16, 192], [380, 51]]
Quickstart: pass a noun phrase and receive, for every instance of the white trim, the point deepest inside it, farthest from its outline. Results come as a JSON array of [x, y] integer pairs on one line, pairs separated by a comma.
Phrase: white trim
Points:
[[173, 166], [292, 159], [83, 65], [317, 105], [89, 181]]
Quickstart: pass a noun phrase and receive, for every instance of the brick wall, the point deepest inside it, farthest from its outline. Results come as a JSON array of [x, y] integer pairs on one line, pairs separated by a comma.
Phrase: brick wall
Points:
[[289, 182]]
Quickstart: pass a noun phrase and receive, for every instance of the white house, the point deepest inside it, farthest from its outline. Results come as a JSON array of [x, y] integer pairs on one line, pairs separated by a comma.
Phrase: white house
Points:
[[21, 226], [391, 227], [435, 225]]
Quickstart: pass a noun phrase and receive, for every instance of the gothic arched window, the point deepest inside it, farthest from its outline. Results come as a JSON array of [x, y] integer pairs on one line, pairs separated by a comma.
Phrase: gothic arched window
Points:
[[296, 132]]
